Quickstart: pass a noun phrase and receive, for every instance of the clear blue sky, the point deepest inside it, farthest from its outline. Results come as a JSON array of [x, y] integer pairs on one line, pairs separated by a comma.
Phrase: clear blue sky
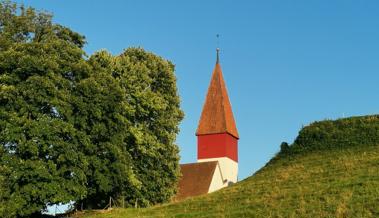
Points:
[[286, 63]]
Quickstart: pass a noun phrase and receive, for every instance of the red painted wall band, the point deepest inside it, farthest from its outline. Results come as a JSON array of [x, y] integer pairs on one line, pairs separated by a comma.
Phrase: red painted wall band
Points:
[[217, 145]]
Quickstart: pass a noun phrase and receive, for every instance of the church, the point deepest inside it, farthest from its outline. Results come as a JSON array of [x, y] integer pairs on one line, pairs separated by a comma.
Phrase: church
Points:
[[217, 144]]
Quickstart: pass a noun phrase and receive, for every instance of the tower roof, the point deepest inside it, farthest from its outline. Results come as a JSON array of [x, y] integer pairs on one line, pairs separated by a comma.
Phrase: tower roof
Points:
[[217, 115]]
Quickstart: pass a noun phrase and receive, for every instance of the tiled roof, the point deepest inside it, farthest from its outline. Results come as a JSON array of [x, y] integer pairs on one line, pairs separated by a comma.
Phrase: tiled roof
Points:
[[196, 179], [217, 115]]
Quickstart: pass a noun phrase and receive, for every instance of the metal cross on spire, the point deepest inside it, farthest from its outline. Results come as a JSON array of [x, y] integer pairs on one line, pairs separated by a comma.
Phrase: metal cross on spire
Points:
[[218, 48]]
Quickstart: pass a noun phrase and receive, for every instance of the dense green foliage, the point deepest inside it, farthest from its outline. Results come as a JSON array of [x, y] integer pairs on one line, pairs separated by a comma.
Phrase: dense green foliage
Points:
[[340, 181], [150, 89], [77, 129], [137, 92], [342, 133], [41, 161]]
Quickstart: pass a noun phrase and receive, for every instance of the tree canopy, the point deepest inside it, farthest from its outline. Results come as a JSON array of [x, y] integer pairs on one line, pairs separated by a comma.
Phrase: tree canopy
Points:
[[79, 128]]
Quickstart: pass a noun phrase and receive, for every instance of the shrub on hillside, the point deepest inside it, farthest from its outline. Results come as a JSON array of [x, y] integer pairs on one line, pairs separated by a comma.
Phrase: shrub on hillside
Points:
[[347, 132]]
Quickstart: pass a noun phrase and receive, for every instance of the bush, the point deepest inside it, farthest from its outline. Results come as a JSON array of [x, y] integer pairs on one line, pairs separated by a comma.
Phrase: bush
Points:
[[341, 133]]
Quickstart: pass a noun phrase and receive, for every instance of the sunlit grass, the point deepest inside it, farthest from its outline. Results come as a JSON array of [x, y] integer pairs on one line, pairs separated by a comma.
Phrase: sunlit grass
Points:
[[334, 183]]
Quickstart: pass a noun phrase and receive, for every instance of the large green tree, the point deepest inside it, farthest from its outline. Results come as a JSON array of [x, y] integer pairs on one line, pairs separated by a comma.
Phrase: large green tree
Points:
[[150, 86], [102, 113], [133, 103], [152, 104], [41, 161], [77, 129]]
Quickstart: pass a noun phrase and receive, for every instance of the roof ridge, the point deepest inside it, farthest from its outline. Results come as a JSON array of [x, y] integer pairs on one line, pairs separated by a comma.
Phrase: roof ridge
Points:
[[223, 97], [228, 106]]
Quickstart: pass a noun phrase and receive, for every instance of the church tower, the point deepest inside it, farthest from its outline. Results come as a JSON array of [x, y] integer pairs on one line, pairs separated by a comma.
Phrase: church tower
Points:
[[217, 135]]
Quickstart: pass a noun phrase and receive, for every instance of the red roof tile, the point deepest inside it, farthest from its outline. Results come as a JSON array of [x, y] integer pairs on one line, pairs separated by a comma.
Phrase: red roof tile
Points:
[[196, 179], [217, 115]]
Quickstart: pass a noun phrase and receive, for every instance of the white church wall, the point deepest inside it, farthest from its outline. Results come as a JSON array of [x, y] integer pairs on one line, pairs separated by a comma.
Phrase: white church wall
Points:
[[229, 168], [217, 180]]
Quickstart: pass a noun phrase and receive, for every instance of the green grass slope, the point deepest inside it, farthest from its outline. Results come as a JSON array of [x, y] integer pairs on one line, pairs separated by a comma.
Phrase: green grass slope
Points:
[[331, 170]]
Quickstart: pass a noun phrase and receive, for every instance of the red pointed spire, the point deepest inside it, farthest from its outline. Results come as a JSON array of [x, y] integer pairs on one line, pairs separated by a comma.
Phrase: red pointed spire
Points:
[[217, 115]]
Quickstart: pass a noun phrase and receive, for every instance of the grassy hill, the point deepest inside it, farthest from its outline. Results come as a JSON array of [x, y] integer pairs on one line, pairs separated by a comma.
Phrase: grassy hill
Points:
[[331, 170]]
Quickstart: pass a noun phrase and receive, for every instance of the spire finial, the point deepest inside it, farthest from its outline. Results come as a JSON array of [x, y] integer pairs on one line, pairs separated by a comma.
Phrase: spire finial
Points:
[[218, 55], [218, 48]]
